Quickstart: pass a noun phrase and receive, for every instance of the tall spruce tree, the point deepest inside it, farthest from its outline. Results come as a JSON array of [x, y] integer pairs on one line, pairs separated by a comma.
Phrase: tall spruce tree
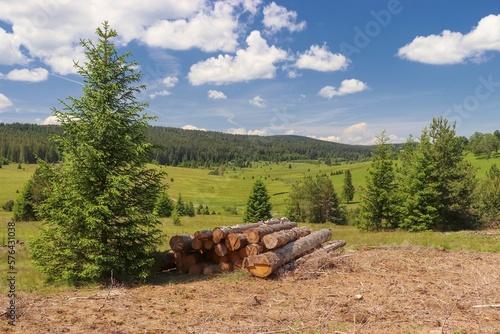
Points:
[[99, 216], [258, 205], [377, 204], [348, 188]]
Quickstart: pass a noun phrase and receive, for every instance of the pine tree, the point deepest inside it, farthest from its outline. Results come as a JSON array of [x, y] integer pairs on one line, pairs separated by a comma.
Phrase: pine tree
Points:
[[377, 205], [258, 205], [99, 216], [490, 195], [348, 188], [314, 200], [164, 205]]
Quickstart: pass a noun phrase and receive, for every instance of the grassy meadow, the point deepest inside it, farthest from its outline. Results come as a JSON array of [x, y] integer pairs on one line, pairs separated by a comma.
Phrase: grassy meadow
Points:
[[230, 191]]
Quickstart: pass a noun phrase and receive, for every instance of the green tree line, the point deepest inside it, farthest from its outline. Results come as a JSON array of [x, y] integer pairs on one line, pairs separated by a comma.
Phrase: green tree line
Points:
[[187, 148]]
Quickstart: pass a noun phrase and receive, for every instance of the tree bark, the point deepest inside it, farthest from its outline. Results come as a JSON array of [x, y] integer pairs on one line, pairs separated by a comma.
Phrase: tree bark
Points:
[[204, 234], [280, 238], [234, 256], [181, 243], [235, 241], [221, 232], [327, 248], [265, 264], [254, 235], [164, 261]]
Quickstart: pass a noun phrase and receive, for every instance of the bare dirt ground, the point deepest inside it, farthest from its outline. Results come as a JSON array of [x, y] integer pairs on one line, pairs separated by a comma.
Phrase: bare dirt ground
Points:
[[373, 290]]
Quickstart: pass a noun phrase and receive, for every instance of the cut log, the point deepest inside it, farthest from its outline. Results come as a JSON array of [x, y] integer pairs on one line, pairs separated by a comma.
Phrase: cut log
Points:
[[196, 244], [220, 249], [255, 249], [280, 238], [203, 235], [221, 232], [163, 261], [197, 269], [327, 248], [242, 252], [181, 243], [208, 244], [211, 269], [225, 267], [235, 241], [184, 260], [265, 264], [254, 235], [234, 256]]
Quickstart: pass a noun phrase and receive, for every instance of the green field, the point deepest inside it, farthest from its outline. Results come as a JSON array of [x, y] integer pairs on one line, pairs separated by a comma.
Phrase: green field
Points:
[[231, 191]]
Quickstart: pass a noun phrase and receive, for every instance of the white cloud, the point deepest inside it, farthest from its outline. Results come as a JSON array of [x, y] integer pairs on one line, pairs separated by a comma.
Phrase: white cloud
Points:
[[278, 17], [34, 75], [4, 102], [211, 29], [454, 47], [10, 53], [319, 58], [192, 127], [334, 139], [255, 62], [242, 131], [159, 93], [170, 81], [258, 102], [50, 120], [49, 31], [349, 86], [216, 95]]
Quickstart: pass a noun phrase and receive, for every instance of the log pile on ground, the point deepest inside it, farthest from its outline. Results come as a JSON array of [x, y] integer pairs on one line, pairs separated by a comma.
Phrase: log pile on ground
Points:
[[260, 247]]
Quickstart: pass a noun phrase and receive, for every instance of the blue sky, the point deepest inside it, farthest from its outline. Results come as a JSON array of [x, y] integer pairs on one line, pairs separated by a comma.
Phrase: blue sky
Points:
[[338, 70]]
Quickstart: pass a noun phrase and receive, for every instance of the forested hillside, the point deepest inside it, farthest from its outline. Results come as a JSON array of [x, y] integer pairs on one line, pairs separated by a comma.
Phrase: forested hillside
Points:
[[178, 147]]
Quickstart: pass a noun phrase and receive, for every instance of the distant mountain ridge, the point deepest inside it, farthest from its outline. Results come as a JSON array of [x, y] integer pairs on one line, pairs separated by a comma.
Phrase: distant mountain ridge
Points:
[[189, 148]]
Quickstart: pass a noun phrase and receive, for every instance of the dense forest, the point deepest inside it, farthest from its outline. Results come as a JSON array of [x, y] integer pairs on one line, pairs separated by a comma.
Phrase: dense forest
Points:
[[188, 148]]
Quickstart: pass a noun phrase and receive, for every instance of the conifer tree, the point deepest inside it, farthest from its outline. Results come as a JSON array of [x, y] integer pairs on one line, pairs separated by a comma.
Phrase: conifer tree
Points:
[[258, 205], [377, 205], [99, 216], [348, 188]]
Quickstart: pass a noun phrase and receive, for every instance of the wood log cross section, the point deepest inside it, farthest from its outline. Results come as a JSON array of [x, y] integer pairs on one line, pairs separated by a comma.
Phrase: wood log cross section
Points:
[[259, 248]]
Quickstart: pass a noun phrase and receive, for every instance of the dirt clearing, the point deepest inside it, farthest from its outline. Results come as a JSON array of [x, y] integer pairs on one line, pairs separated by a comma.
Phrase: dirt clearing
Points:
[[373, 290]]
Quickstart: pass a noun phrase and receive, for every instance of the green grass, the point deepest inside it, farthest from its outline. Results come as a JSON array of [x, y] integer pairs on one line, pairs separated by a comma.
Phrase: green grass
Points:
[[232, 190]]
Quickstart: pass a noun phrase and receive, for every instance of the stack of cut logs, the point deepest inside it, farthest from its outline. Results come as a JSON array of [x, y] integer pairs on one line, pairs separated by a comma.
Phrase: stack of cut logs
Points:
[[260, 247]]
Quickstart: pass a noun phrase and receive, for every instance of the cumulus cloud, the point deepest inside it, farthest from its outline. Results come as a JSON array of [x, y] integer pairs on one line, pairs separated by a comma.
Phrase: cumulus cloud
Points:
[[192, 127], [4, 102], [257, 61], [209, 30], [349, 86], [216, 95], [258, 102], [49, 31], [34, 75], [170, 81], [319, 58], [454, 47], [159, 93], [50, 120], [278, 17], [242, 131], [10, 52]]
